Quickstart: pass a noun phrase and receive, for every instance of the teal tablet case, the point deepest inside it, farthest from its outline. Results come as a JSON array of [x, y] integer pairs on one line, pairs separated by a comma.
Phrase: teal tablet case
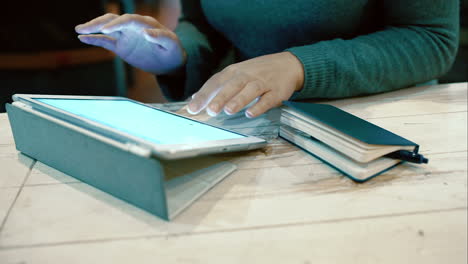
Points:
[[163, 188]]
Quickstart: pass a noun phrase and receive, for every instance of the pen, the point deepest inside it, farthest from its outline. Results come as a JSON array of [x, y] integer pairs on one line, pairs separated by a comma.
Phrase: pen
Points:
[[408, 156]]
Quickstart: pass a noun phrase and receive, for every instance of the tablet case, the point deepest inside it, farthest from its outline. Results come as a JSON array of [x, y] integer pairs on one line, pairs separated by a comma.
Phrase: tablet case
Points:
[[163, 188]]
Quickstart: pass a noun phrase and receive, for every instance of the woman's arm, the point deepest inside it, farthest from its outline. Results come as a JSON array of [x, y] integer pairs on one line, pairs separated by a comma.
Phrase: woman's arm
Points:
[[419, 43]]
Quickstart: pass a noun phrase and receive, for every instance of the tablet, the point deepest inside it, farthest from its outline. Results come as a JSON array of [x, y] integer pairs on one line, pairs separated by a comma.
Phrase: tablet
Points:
[[144, 129]]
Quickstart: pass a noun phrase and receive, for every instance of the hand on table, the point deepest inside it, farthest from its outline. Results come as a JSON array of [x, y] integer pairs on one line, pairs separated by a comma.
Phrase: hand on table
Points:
[[139, 40], [270, 78]]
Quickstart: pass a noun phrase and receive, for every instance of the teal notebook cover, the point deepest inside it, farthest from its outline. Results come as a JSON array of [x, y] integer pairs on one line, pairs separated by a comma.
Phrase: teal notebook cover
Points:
[[356, 128], [349, 124]]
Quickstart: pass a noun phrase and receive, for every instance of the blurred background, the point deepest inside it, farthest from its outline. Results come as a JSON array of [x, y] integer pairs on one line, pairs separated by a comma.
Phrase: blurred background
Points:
[[40, 52]]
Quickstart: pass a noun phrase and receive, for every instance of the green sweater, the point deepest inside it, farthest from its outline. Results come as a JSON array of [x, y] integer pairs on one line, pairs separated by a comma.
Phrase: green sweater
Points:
[[347, 48]]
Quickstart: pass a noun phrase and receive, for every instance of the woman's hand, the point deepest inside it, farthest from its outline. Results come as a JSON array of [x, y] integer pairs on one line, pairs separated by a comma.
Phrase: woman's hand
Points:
[[271, 78], [139, 40]]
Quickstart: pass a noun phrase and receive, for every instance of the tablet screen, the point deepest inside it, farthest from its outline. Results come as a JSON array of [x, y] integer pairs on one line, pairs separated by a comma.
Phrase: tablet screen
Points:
[[141, 121]]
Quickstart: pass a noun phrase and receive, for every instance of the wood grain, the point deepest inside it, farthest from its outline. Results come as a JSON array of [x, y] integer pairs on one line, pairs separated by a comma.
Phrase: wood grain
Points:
[[281, 205]]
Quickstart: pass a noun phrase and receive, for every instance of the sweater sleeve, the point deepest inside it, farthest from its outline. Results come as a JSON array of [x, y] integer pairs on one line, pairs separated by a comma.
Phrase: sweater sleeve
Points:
[[204, 47], [418, 43]]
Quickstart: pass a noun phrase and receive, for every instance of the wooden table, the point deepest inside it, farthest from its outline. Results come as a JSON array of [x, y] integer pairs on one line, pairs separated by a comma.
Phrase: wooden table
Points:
[[280, 206]]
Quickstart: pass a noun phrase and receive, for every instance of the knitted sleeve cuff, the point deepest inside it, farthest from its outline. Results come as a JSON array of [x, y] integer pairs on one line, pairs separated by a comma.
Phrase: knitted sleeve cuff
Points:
[[319, 71]]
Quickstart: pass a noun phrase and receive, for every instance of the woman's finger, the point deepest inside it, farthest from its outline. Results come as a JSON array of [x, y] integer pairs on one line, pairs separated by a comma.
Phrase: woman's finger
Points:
[[100, 40], [266, 102], [95, 25], [130, 21], [251, 91], [204, 95], [226, 92], [162, 37], [212, 87]]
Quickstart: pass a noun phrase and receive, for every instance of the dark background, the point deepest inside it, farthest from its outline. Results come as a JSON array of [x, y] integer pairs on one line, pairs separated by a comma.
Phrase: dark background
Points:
[[32, 26]]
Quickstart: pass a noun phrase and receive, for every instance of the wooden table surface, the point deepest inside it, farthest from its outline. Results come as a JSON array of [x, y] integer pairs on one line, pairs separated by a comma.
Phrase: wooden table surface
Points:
[[280, 206]]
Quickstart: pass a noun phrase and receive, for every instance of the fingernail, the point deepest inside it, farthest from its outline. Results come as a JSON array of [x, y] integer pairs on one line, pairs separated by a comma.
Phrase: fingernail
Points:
[[228, 112], [192, 109], [79, 29], [214, 107], [230, 108], [249, 114], [210, 112], [83, 39]]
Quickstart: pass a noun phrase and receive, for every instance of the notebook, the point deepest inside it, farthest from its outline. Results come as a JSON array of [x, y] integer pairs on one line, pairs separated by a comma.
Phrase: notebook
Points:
[[357, 148]]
